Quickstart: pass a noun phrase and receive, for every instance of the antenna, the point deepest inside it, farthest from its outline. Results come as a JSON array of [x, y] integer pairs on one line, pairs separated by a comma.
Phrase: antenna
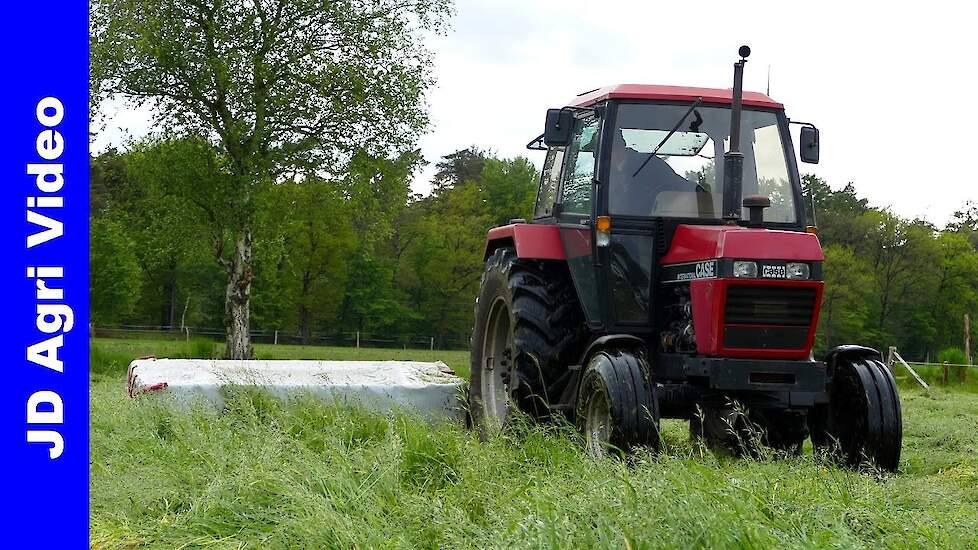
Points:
[[768, 92]]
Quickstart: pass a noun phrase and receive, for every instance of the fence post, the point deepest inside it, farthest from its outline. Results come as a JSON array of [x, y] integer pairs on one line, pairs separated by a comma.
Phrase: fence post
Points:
[[188, 333], [432, 343], [276, 338], [967, 347], [889, 358], [358, 339], [909, 368], [946, 373]]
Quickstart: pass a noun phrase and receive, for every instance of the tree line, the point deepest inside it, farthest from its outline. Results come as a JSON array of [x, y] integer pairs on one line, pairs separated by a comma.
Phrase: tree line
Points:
[[891, 281], [362, 253], [356, 253]]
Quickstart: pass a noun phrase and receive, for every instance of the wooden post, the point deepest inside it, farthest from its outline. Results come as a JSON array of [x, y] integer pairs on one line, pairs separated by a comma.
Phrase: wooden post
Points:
[[188, 333], [358, 339], [432, 343], [276, 337], [967, 346], [946, 373], [889, 358], [909, 368]]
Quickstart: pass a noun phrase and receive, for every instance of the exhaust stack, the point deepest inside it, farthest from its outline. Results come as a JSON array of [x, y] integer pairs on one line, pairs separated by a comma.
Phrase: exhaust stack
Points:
[[733, 160]]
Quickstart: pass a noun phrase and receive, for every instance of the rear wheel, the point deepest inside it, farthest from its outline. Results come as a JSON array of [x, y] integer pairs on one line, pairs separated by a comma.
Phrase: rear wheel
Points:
[[617, 407], [863, 421], [724, 429], [782, 429], [528, 328], [740, 432]]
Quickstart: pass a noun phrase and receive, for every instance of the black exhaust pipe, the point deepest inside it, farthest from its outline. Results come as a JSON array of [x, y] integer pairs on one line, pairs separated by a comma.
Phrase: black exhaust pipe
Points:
[[733, 160]]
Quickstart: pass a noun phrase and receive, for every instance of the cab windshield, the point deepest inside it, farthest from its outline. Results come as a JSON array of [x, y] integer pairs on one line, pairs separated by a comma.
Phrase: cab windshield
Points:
[[684, 179]]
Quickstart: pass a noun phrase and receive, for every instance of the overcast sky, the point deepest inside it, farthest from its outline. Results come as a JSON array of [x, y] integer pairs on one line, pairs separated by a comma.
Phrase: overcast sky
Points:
[[892, 89]]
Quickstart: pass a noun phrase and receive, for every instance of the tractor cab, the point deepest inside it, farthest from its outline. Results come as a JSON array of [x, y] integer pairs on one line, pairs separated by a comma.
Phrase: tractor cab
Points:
[[628, 165], [658, 152]]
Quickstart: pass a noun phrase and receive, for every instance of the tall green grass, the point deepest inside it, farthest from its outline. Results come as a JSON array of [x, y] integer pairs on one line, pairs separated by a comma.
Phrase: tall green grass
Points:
[[263, 473]]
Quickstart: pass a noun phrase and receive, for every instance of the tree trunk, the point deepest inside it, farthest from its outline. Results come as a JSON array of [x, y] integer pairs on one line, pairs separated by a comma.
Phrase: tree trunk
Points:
[[304, 324], [304, 328], [237, 298]]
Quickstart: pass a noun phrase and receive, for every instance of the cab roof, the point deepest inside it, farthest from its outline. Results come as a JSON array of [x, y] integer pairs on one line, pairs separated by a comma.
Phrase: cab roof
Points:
[[656, 92]]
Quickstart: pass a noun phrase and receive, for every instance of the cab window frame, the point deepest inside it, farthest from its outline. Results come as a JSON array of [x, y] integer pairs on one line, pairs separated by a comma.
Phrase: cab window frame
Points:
[[568, 170], [549, 179]]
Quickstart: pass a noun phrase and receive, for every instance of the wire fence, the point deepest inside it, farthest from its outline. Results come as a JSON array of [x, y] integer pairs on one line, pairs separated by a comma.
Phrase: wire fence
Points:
[[923, 372], [275, 337]]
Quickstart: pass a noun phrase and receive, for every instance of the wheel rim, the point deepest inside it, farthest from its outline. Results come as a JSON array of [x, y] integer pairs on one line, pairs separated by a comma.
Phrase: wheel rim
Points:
[[496, 365], [597, 424]]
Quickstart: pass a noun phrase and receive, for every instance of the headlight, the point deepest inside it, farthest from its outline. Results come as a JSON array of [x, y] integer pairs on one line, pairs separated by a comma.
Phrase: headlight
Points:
[[745, 269], [798, 271]]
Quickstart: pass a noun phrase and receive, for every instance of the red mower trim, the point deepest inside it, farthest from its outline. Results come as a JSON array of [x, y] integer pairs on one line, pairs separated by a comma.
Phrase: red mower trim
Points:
[[131, 390]]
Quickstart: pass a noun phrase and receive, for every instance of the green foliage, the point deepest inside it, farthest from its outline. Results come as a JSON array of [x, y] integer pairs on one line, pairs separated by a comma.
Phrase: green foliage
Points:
[[845, 308], [330, 255], [265, 90], [115, 275], [201, 348], [310, 236], [891, 281], [954, 356], [358, 253]]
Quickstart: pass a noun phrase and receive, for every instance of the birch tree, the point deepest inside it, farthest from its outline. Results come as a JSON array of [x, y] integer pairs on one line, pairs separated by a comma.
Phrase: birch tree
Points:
[[281, 87]]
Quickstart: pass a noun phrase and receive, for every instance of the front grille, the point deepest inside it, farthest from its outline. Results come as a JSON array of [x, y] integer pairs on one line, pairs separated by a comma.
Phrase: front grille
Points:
[[768, 317], [770, 305]]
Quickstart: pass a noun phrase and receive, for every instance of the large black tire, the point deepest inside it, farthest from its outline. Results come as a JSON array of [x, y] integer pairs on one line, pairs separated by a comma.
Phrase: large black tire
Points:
[[617, 409], [544, 332], [782, 429], [863, 421], [742, 432], [723, 429]]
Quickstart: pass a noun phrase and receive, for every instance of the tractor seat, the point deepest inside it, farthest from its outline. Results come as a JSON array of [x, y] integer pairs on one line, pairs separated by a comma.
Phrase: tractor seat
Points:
[[686, 204]]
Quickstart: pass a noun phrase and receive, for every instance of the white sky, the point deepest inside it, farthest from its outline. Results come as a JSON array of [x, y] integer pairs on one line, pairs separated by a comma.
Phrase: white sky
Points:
[[891, 86]]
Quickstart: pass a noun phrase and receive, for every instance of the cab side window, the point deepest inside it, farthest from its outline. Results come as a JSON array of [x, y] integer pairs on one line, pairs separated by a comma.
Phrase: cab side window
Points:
[[548, 182], [576, 195]]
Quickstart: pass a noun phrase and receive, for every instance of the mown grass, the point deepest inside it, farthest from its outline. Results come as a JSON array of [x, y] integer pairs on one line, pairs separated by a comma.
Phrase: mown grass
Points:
[[269, 474]]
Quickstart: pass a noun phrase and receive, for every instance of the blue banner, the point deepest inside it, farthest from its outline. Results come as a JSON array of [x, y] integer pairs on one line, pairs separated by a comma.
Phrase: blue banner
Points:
[[44, 400]]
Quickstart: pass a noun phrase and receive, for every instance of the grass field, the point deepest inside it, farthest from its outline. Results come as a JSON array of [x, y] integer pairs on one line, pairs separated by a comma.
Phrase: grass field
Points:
[[267, 474]]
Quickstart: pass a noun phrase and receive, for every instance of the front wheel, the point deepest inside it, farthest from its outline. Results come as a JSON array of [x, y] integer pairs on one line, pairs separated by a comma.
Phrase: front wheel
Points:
[[863, 421], [617, 409]]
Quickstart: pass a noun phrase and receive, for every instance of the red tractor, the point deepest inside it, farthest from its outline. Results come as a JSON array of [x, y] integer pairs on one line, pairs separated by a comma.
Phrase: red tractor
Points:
[[668, 272]]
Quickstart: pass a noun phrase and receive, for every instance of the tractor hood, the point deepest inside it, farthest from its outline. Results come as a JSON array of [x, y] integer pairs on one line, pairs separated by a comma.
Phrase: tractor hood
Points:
[[694, 243]]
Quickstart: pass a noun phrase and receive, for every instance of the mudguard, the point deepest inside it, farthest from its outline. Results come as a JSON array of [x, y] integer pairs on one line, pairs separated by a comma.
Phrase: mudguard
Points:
[[850, 350], [626, 341], [531, 241]]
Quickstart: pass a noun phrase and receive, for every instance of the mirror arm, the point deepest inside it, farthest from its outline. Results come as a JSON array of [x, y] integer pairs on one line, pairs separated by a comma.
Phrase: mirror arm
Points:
[[536, 144]]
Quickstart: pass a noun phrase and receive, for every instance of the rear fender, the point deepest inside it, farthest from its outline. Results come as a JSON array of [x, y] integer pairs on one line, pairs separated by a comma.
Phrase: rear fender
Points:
[[531, 241]]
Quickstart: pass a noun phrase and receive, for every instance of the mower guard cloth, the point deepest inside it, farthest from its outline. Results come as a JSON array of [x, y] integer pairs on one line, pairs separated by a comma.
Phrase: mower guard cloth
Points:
[[431, 389]]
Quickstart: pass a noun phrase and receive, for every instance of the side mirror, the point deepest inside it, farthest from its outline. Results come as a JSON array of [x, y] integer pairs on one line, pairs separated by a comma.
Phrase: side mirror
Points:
[[560, 125], [809, 144]]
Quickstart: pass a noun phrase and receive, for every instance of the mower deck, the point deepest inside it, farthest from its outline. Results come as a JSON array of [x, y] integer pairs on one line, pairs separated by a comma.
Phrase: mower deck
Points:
[[431, 389]]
